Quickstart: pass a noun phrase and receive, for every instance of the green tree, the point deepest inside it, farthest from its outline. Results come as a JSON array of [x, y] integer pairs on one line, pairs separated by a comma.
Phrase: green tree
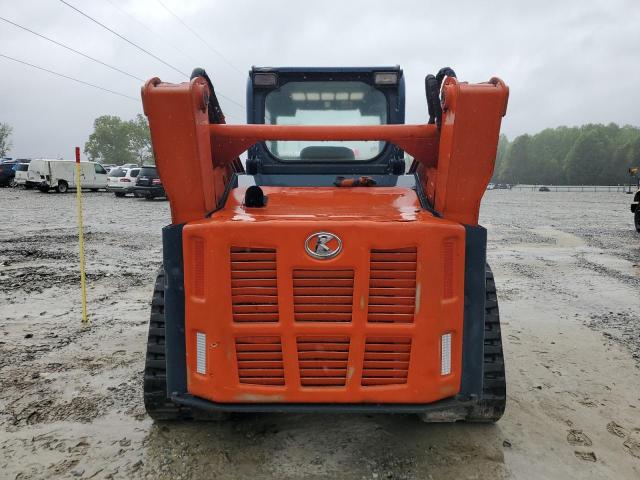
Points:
[[519, 166], [140, 139], [118, 141], [625, 156], [501, 158], [109, 142], [587, 161], [549, 149], [5, 138]]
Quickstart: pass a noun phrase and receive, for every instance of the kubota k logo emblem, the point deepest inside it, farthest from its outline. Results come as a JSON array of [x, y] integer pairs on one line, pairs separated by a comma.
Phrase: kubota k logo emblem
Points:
[[323, 245]]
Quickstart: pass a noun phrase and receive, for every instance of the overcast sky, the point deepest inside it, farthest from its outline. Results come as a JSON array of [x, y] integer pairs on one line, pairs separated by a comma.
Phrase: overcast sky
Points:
[[566, 62]]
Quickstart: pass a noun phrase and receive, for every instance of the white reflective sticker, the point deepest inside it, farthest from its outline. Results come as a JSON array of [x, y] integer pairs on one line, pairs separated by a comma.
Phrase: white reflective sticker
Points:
[[201, 353], [445, 354]]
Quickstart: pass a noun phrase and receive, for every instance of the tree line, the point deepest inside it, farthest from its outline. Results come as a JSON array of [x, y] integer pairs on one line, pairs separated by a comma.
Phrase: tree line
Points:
[[113, 141], [591, 154]]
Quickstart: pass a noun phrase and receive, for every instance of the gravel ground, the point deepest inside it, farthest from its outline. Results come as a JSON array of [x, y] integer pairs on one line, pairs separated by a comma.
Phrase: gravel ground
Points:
[[567, 270]]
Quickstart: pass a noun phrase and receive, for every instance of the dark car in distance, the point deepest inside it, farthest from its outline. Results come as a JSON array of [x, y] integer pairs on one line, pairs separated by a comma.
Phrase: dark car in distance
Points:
[[148, 183], [8, 173]]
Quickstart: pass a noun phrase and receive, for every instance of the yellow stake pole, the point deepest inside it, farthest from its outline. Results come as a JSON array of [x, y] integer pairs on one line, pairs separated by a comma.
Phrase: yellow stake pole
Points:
[[83, 283]]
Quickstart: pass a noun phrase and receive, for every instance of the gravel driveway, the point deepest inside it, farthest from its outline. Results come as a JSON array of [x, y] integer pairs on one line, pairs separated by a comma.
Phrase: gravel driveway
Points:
[[568, 276]]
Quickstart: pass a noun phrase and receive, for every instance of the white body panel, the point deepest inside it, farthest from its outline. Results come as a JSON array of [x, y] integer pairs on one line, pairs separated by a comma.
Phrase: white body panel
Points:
[[52, 172], [21, 177]]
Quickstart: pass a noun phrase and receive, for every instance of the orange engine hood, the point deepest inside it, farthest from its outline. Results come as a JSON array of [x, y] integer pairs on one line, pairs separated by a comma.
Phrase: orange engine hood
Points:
[[380, 204]]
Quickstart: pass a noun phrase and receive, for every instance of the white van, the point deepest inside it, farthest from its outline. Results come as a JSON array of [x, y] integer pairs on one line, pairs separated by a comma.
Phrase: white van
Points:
[[61, 174]]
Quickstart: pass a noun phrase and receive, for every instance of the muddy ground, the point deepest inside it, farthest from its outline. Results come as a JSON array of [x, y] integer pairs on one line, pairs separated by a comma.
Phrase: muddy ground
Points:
[[567, 267]]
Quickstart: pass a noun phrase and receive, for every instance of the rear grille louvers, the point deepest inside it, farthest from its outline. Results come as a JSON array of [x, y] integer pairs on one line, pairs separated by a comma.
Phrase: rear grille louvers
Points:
[[323, 360], [260, 360], [386, 361], [254, 286], [392, 285], [322, 295]]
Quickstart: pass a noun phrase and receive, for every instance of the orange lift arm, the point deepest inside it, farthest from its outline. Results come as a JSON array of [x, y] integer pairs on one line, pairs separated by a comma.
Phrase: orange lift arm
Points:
[[469, 133], [454, 163]]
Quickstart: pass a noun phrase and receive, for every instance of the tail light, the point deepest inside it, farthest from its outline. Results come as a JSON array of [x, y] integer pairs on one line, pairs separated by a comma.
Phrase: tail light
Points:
[[156, 181]]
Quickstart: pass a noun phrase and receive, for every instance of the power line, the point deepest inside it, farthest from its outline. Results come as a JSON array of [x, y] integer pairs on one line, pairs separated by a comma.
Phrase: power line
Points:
[[150, 30], [229, 99], [137, 100], [197, 35], [72, 49], [221, 95], [142, 49], [124, 38]]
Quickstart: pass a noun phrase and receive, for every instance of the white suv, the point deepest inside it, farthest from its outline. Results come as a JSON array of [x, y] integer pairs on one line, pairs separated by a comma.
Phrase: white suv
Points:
[[122, 180]]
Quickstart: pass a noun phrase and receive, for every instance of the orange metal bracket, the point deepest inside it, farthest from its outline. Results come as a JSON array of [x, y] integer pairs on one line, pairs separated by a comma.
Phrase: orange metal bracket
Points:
[[420, 141]]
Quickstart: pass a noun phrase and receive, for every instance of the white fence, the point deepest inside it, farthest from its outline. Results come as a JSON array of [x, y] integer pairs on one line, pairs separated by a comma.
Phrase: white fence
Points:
[[579, 188]]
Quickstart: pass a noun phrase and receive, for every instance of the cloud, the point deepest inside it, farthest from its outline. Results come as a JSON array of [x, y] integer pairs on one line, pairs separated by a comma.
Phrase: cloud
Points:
[[566, 63]]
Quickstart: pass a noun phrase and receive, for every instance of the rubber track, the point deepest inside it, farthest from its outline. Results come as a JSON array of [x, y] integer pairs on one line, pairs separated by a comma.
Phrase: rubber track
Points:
[[158, 406], [494, 391]]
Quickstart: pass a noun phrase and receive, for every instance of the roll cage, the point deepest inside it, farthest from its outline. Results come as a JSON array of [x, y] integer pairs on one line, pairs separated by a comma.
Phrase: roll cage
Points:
[[261, 161]]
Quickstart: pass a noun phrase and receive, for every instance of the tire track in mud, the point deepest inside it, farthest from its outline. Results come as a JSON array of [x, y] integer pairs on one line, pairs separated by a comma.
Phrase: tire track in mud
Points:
[[621, 326], [35, 263], [629, 280]]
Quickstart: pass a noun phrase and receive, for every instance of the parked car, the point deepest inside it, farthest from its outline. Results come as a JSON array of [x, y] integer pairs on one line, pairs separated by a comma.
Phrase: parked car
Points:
[[148, 183], [21, 178], [122, 180], [129, 165], [108, 166], [8, 173], [544, 189], [61, 175]]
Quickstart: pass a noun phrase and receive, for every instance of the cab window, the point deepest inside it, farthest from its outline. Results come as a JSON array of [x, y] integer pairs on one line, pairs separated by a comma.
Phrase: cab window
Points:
[[325, 103]]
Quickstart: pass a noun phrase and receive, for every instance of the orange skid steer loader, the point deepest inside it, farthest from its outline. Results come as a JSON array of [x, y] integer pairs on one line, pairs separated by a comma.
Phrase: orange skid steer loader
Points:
[[327, 276]]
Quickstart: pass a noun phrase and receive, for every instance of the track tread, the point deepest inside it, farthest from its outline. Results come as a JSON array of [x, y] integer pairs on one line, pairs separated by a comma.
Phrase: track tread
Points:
[[494, 395], [158, 406]]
